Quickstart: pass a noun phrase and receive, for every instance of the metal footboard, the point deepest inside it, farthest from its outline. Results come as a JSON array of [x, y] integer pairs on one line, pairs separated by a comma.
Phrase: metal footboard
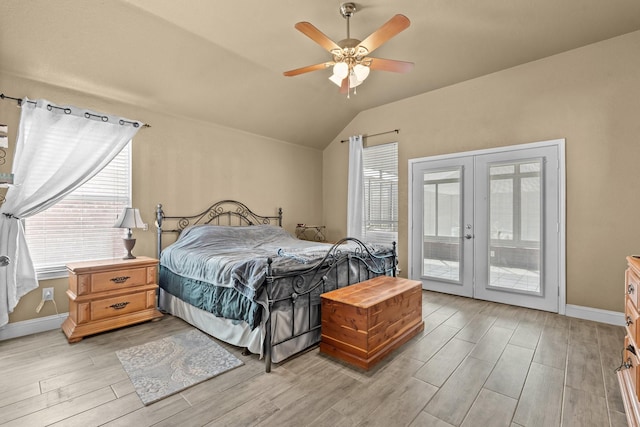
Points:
[[349, 261]]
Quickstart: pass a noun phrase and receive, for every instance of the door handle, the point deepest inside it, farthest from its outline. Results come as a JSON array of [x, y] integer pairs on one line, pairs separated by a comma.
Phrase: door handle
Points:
[[468, 236], [4, 261]]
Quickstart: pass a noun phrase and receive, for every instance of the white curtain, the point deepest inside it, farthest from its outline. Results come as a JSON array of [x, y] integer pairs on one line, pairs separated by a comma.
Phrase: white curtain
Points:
[[57, 150], [355, 200]]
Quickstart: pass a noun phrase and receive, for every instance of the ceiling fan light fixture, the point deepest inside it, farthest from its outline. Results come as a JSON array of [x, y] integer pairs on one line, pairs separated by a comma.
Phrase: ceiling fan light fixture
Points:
[[354, 81], [337, 80], [341, 70], [361, 72]]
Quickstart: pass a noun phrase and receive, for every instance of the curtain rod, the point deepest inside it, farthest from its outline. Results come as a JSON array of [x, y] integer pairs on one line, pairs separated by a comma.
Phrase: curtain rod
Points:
[[68, 111], [375, 134]]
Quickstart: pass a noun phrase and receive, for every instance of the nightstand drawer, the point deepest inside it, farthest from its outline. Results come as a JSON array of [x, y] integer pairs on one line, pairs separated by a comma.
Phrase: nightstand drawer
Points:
[[117, 306], [117, 279]]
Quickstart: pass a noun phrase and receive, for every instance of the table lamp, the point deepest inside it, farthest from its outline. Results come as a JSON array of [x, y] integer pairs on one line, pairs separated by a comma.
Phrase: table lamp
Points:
[[129, 218]]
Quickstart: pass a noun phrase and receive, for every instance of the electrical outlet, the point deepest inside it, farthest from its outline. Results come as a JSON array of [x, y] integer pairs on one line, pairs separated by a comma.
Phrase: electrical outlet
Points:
[[47, 294]]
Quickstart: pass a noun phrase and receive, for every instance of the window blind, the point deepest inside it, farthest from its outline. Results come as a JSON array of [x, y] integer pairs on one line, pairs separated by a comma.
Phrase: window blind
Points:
[[380, 169], [80, 227]]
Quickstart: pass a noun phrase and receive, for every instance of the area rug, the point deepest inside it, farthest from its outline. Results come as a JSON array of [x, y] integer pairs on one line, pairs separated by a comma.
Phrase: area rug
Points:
[[167, 366]]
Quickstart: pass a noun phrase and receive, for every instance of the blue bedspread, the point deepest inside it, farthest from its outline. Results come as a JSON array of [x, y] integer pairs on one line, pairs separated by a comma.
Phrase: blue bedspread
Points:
[[222, 269], [236, 257]]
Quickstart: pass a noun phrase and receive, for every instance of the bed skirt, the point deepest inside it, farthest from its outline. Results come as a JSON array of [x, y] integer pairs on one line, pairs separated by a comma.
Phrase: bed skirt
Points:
[[238, 333], [234, 332]]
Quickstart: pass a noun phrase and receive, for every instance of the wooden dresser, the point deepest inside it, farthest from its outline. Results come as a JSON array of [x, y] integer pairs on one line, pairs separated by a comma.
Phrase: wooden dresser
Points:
[[109, 294], [628, 375], [364, 322]]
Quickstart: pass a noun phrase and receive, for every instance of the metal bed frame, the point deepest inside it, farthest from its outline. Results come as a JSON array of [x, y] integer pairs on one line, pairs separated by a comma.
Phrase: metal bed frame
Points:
[[359, 264]]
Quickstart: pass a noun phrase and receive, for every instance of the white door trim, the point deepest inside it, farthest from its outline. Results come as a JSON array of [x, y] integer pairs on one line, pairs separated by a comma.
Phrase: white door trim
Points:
[[560, 144]]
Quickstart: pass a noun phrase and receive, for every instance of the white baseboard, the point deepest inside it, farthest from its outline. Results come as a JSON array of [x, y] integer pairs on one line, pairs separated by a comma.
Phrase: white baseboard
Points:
[[595, 314], [32, 326]]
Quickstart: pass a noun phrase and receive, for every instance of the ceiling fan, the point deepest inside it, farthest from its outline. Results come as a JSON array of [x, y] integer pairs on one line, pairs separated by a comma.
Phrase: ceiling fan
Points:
[[351, 63]]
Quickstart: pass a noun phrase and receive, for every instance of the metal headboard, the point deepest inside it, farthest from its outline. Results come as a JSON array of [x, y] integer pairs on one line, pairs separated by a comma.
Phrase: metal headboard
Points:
[[225, 212]]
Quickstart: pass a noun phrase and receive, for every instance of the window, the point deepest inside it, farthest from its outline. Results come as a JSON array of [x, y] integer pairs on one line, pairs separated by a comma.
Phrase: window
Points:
[[80, 227], [380, 165]]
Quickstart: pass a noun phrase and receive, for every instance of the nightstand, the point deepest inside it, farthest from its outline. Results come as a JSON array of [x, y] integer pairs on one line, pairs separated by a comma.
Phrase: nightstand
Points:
[[108, 294]]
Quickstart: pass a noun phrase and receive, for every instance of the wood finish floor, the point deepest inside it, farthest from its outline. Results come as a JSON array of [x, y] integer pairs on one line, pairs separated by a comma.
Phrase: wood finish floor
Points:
[[476, 364]]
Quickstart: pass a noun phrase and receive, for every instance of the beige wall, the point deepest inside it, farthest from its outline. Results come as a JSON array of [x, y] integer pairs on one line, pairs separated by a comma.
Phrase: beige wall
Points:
[[590, 96], [186, 165]]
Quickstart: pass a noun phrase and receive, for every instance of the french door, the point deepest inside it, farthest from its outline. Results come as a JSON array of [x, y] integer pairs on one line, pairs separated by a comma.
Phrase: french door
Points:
[[489, 224]]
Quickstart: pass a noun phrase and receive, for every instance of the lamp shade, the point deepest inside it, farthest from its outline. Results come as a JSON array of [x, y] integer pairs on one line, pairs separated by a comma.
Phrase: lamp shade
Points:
[[341, 69], [129, 218], [361, 71], [353, 81], [337, 80]]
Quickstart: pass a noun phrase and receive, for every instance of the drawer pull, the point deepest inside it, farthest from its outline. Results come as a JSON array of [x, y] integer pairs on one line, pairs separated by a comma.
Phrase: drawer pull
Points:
[[122, 279], [628, 364], [630, 289], [629, 321], [119, 305]]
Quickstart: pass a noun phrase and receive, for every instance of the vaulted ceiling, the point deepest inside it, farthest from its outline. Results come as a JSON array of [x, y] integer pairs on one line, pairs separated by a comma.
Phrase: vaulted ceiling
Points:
[[222, 62]]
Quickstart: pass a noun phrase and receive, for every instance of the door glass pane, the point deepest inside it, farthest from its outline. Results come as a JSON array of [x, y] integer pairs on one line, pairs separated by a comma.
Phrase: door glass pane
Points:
[[530, 167], [442, 212], [502, 170], [515, 218], [501, 209], [530, 203], [430, 209]]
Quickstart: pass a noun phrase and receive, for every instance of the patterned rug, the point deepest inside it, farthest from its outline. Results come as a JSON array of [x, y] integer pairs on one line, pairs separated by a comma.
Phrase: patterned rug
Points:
[[164, 367]]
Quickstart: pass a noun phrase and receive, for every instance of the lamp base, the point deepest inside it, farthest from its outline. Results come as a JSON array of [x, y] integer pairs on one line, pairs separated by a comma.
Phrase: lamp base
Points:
[[128, 245]]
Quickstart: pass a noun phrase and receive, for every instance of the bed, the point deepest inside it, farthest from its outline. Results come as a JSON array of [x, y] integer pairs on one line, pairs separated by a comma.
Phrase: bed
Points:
[[242, 278]]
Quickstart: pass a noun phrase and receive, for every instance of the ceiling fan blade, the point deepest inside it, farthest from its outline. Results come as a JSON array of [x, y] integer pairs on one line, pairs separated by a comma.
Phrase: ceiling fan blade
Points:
[[308, 69], [392, 27], [390, 65], [316, 35]]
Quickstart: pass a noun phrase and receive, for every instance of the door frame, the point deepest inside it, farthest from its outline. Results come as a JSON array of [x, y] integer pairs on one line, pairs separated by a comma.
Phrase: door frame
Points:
[[559, 144]]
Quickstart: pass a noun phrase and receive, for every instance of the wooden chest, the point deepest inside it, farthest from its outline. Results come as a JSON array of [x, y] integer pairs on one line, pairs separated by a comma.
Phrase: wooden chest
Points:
[[362, 323]]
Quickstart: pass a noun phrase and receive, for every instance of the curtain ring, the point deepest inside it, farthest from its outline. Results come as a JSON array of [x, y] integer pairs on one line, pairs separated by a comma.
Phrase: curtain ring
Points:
[[134, 124], [67, 110]]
